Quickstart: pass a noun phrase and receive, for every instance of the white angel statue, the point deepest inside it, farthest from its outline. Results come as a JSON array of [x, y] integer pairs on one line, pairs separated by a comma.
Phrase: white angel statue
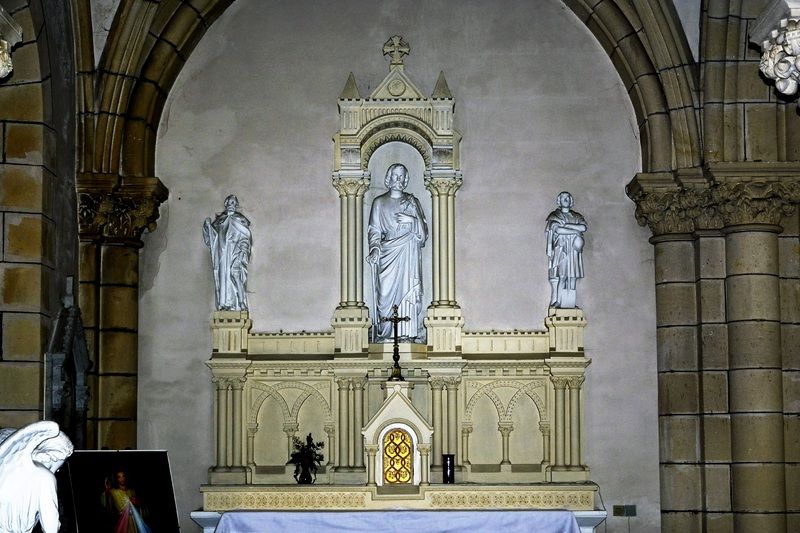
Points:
[[29, 459]]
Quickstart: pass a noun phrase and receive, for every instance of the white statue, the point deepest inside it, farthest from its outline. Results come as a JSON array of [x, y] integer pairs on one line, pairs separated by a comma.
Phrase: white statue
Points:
[[229, 238], [29, 459], [397, 232], [564, 234]]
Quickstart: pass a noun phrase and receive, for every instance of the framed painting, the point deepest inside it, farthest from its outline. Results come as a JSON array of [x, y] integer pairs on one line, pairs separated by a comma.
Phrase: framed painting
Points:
[[117, 492]]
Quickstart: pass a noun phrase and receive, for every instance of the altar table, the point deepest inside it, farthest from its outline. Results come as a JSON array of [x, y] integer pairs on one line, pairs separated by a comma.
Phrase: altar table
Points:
[[507, 521]]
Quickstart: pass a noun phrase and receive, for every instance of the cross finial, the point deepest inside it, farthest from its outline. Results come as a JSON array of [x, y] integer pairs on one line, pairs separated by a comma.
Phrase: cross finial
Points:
[[397, 48]]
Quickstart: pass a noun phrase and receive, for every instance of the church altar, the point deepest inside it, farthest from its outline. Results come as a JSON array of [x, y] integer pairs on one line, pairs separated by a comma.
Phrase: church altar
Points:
[[507, 405]]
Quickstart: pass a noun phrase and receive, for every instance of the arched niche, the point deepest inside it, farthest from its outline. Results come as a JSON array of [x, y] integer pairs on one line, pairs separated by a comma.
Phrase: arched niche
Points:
[[397, 112]]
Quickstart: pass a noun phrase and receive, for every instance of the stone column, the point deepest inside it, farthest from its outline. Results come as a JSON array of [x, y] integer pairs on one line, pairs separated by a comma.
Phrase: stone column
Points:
[[358, 425], [425, 468], [444, 320], [237, 386], [112, 218], [466, 429], [252, 429], [291, 430], [344, 430], [755, 378], [505, 429], [559, 384], [452, 416], [575, 383], [372, 451], [330, 431], [351, 318], [222, 422], [437, 384], [544, 427]]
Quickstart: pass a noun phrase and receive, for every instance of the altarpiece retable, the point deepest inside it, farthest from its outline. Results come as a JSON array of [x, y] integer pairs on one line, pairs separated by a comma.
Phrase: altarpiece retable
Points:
[[506, 404]]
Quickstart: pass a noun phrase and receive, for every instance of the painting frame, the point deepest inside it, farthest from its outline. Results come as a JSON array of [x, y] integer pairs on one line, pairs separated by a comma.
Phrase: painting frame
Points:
[[117, 490]]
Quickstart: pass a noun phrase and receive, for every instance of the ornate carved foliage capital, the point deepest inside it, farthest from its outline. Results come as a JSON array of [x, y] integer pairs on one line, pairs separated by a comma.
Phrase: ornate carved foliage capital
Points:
[[756, 202], [676, 211], [559, 382], [350, 186], [437, 383], [685, 210], [119, 214], [443, 186], [575, 382], [453, 382], [359, 383]]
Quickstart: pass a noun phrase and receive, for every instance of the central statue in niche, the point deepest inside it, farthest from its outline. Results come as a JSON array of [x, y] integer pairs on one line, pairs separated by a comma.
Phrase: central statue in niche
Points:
[[396, 234]]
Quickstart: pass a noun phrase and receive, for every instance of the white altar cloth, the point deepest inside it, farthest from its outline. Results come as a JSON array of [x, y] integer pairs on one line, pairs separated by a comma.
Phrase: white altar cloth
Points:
[[507, 521]]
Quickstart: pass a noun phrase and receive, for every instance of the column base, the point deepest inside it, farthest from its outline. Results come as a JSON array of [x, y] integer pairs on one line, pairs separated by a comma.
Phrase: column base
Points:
[[351, 331], [444, 326]]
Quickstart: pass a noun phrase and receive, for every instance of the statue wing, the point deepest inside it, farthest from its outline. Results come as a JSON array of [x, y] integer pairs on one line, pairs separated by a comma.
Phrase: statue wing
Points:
[[19, 446]]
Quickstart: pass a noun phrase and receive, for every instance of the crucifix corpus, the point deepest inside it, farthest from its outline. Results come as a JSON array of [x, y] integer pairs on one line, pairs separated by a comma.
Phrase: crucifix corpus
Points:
[[395, 319]]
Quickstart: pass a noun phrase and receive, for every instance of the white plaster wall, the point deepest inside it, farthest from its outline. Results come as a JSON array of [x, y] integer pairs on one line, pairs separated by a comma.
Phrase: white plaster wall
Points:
[[103, 12], [541, 110], [689, 13]]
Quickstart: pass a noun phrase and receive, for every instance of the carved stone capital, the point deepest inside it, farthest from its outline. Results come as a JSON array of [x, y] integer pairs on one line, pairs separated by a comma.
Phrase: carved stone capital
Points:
[[238, 383], [544, 427], [350, 186], [343, 383], [575, 382], [505, 428], [122, 213], [559, 382], [756, 202], [452, 382], [443, 186], [358, 383], [437, 383], [291, 428], [466, 430], [681, 210]]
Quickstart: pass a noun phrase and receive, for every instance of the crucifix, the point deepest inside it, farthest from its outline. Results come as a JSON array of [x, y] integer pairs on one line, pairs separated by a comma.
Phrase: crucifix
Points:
[[397, 48], [395, 319]]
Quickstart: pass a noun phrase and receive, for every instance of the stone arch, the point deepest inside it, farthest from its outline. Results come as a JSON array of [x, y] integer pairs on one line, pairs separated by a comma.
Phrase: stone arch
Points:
[[255, 406], [646, 43], [488, 390], [308, 392], [528, 390], [396, 133]]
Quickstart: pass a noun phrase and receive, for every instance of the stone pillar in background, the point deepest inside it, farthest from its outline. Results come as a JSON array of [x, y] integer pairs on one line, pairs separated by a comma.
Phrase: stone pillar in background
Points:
[[751, 214], [718, 300], [111, 224]]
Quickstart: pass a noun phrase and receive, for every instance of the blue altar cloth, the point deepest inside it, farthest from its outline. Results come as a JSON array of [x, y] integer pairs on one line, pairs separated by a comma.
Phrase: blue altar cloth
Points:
[[505, 521]]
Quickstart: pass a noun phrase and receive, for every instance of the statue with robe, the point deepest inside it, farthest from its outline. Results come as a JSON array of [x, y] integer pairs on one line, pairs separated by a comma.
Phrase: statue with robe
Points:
[[564, 234], [229, 239], [396, 234]]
